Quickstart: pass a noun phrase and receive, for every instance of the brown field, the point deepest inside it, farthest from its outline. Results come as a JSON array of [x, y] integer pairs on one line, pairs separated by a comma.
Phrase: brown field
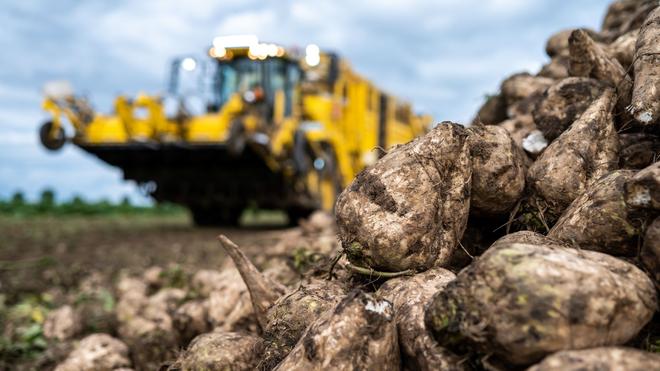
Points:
[[57, 251]]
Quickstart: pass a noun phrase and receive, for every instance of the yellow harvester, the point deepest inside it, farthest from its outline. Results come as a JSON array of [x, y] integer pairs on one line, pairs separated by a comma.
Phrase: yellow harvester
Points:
[[262, 126]]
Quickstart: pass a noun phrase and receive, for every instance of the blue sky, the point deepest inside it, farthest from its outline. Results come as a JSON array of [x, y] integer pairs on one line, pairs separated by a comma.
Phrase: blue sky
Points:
[[443, 56]]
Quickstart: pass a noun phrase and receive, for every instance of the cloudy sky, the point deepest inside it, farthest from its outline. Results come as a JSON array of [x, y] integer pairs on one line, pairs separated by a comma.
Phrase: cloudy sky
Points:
[[442, 55]]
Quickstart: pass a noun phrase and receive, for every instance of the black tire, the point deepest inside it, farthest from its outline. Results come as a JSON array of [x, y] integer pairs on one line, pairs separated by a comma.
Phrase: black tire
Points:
[[51, 144], [215, 217], [296, 213]]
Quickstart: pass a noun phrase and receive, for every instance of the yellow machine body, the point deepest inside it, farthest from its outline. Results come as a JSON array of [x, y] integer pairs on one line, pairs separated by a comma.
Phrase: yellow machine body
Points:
[[304, 127]]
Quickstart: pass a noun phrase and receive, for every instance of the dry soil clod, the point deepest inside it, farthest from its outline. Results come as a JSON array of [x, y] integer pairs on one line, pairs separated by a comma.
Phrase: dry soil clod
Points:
[[524, 300]]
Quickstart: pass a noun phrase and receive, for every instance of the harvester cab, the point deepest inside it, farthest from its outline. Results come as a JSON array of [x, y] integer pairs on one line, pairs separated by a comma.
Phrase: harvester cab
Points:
[[251, 123]]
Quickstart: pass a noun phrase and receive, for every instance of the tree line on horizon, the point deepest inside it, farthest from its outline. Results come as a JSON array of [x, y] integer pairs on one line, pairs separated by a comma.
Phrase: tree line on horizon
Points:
[[47, 203]]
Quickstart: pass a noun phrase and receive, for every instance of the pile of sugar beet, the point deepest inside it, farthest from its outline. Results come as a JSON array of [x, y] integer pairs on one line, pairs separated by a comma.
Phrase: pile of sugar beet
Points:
[[528, 239]]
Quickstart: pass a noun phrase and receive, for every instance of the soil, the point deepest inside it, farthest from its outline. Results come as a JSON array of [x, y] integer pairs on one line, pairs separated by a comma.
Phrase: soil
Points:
[[40, 253]]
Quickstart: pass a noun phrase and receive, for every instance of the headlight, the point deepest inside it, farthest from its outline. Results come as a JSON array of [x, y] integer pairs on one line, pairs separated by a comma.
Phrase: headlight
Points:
[[249, 96]]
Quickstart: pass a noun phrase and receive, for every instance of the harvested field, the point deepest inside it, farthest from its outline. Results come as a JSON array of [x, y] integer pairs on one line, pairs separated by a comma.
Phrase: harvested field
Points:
[[528, 240]]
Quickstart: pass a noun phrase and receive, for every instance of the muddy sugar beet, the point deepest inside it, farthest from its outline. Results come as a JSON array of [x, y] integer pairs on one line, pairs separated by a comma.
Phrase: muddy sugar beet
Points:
[[600, 220], [524, 300], [498, 170], [564, 102], [221, 351], [359, 333], [603, 358], [645, 105], [410, 295], [282, 315], [586, 151], [409, 210]]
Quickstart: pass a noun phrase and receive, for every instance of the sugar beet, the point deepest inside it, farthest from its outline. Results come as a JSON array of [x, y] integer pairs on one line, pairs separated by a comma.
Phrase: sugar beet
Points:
[[358, 334], [638, 150], [603, 358], [525, 300], [650, 254], [97, 352], [625, 15], [600, 220], [564, 102], [283, 317], [498, 170], [410, 295], [588, 59], [642, 191], [409, 210], [645, 104], [219, 351], [583, 153]]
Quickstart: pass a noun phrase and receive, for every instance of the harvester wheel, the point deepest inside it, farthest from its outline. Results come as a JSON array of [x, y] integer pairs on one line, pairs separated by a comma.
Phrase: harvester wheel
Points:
[[294, 214], [213, 217], [50, 143]]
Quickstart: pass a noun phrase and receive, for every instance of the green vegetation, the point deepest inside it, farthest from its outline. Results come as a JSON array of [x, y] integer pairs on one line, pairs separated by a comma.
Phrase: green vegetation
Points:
[[22, 324], [47, 205]]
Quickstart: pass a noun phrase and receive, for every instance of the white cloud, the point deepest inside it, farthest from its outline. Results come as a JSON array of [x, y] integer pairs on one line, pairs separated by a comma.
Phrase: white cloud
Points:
[[441, 55], [17, 138]]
